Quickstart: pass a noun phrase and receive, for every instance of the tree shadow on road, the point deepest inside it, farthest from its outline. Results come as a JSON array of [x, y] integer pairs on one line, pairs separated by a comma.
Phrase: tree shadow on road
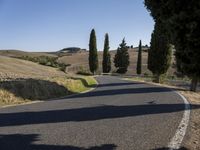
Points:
[[122, 91], [26, 142], [87, 113], [119, 84]]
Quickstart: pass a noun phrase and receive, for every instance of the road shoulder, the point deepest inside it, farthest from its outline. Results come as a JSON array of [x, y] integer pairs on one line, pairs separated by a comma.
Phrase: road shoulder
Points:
[[191, 140]]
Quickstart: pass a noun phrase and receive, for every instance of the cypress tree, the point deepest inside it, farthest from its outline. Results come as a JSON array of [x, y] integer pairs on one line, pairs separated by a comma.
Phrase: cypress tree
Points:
[[121, 58], [139, 60], [159, 54], [106, 64], [93, 56], [182, 19]]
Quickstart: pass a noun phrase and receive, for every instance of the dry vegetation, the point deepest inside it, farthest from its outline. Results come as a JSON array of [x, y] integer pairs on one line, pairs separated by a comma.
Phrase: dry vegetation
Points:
[[24, 90], [16, 68], [23, 81], [80, 60], [18, 53]]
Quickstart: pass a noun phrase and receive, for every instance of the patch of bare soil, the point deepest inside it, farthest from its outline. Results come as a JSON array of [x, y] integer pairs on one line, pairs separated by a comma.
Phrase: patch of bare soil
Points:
[[192, 139]]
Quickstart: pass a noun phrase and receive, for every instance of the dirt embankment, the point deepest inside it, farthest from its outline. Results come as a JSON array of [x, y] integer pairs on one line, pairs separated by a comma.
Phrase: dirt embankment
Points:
[[192, 139], [24, 81]]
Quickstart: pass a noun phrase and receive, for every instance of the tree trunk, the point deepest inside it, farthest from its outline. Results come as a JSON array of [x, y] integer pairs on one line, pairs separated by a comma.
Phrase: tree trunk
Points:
[[156, 78], [193, 86]]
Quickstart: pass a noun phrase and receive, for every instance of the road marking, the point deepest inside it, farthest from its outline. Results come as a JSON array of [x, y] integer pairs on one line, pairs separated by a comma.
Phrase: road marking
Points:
[[176, 141]]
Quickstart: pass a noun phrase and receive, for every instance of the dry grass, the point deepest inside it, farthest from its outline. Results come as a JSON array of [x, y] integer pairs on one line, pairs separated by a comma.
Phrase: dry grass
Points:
[[81, 59], [16, 68], [7, 98], [25, 90], [76, 84], [22, 81], [18, 53], [19, 91]]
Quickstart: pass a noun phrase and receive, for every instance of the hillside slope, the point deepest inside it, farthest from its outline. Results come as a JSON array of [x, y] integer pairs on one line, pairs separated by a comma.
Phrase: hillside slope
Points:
[[24, 81], [78, 60], [19, 53], [16, 68]]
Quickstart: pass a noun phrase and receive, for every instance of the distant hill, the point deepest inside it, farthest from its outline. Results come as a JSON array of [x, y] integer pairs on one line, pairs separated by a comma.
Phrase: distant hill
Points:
[[72, 50], [144, 48], [19, 53], [78, 58]]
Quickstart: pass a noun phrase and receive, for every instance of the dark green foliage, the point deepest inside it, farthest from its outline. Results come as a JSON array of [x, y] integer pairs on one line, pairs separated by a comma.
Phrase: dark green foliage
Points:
[[139, 60], [93, 56], [46, 61], [106, 64], [182, 18], [62, 66], [131, 46], [121, 59], [160, 52], [84, 72], [70, 50]]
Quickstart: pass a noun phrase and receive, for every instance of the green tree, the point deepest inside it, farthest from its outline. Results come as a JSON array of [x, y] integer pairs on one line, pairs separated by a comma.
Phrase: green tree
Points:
[[182, 19], [93, 56], [121, 59], [106, 64], [139, 60], [160, 52]]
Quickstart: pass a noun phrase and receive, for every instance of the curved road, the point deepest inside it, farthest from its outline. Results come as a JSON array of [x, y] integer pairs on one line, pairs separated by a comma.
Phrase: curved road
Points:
[[119, 115]]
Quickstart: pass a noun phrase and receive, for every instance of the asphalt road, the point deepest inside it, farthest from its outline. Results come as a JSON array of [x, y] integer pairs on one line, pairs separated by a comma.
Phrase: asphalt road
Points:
[[119, 115]]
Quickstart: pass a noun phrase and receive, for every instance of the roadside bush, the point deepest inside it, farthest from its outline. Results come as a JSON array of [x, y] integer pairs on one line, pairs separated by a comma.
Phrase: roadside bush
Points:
[[84, 72], [46, 61], [146, 74]]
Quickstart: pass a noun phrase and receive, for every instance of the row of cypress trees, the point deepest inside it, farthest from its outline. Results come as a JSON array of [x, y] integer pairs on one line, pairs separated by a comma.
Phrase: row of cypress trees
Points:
[[106, 64], [181, 20], [93, 54], [160, 52], [121, 59]]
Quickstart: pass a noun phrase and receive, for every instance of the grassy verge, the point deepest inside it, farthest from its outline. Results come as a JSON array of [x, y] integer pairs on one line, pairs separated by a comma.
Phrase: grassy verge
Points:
[[26, 90], [192, 138], [76, 84]]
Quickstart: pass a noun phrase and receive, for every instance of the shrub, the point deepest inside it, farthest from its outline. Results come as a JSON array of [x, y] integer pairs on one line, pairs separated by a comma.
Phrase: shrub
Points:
[[46, 61]]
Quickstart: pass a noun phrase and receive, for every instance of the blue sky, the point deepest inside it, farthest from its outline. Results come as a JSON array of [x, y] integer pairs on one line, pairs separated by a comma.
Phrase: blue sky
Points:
[[50, 25]]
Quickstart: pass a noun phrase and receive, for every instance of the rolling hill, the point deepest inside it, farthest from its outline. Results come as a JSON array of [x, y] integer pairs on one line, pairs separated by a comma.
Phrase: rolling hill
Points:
[[16, 68], [79, 59]]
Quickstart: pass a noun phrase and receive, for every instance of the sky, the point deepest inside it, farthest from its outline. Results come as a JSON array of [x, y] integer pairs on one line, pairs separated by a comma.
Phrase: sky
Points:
[[50, 25]]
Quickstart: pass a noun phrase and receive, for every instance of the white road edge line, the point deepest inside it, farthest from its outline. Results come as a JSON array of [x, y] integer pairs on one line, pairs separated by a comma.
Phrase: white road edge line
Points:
[[176, 141]]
